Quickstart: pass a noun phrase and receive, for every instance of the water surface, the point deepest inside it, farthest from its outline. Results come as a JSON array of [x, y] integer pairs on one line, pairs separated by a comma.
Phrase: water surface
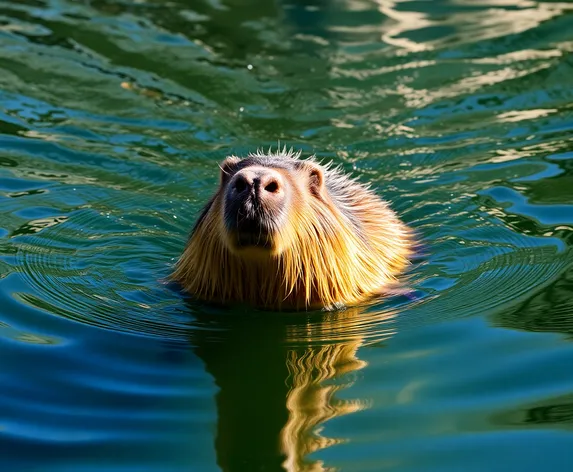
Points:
[[113, 116]]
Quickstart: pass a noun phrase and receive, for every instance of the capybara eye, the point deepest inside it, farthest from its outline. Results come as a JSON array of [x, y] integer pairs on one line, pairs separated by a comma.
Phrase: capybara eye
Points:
[[272, 187], [240, 185]]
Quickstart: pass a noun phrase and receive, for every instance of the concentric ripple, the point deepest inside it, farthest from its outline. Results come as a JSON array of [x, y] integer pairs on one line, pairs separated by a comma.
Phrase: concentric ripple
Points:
[[111, 271], [105, 268]]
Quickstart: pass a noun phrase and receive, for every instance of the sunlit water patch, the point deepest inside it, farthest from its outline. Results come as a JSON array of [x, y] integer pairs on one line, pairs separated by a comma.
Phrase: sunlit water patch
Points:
[[113, 116]]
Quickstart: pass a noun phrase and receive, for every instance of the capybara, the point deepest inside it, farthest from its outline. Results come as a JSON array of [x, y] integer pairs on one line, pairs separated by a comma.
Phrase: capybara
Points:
[[283, 232]]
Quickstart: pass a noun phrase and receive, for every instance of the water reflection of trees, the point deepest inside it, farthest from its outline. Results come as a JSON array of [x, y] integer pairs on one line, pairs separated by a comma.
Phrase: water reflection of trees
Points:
[[547, 311], [524, 219], [415, 26], [556, 189], [278, 385], [560, 410], [233, 28], [552, 412]]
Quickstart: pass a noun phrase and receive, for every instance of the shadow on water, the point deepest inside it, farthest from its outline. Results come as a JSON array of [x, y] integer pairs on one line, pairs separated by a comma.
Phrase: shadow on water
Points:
[[280, 378]]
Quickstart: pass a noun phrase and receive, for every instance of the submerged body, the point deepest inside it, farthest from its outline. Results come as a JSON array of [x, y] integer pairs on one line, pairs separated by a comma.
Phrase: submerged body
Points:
[[288, 233]]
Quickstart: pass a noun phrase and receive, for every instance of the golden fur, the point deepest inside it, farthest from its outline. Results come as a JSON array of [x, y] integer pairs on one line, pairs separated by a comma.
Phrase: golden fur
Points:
[[312, 401], [341, 245], [317, 373]]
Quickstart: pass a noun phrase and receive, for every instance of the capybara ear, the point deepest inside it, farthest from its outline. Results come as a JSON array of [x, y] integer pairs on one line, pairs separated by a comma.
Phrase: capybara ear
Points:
[[315, 177], [228, 167]]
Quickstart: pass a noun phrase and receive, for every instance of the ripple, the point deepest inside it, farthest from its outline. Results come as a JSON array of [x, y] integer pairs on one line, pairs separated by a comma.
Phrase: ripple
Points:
[[106, 269], [83, 267]]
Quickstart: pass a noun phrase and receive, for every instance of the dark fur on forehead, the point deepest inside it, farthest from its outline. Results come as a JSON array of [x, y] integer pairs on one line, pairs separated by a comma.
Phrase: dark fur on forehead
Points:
[[280, 159], [269, 161]]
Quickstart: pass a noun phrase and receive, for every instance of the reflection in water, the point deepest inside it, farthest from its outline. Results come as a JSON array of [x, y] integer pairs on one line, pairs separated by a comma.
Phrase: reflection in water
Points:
[[547, 311], [311, 401], [557, 411], [35, 226], [414, 29], [554, 411], [402, 22], [278, 381]]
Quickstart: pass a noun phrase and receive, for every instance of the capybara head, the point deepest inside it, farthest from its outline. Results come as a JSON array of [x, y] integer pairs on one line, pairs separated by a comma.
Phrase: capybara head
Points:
[[261, 197], [285, 232]]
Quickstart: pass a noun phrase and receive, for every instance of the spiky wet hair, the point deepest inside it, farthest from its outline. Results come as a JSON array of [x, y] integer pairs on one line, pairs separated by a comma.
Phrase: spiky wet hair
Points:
[[341, 243]]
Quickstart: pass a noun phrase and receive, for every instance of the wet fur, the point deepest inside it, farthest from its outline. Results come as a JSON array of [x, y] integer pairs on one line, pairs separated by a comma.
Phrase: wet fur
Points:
[[341, 245]]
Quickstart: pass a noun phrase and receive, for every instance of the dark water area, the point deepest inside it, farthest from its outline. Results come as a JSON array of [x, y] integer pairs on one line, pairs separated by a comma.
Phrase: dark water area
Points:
[[113, 116]]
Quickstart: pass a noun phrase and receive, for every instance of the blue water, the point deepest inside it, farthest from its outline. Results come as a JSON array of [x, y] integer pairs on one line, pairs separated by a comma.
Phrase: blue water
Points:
[[113, 117]]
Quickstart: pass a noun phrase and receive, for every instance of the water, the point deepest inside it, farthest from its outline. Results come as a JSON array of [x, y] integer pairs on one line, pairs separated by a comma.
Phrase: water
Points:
[[113, 115]]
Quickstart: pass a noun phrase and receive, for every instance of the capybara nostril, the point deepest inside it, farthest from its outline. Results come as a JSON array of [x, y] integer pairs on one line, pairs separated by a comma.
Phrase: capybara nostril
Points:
[[241, 184], [272, 187], [271, 181]]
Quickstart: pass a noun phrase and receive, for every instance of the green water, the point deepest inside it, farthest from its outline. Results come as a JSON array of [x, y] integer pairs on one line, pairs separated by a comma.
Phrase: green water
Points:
[[113, 116]]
